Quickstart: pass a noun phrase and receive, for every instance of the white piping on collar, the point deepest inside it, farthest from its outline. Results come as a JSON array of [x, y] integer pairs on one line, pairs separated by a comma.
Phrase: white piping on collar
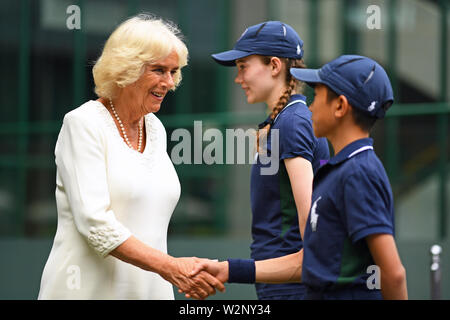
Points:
[[360, 150], [290, 104]]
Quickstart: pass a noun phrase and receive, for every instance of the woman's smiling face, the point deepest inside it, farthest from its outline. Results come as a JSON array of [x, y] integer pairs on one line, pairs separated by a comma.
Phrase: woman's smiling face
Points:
[[148, 92]]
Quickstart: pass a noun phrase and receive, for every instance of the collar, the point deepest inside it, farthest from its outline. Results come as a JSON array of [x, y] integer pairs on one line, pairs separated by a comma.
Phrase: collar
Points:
[[352, 149], [295, 98]]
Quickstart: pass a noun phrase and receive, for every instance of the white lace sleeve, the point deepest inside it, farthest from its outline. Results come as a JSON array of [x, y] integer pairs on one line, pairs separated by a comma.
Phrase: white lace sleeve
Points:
[[80, 161]]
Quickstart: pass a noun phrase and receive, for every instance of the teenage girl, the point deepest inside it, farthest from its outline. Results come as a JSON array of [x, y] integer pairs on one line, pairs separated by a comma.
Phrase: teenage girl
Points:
[[280, 202]]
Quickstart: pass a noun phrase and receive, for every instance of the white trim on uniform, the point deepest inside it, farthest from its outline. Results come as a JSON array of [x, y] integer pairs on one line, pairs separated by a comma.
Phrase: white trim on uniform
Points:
[[290, 104], [360, 150]]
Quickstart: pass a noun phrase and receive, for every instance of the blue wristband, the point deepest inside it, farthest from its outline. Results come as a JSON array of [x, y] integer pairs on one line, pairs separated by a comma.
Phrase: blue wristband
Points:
[[241, 271]]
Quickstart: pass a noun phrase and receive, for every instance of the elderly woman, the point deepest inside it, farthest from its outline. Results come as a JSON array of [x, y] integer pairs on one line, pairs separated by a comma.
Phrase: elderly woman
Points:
[[116, 187]]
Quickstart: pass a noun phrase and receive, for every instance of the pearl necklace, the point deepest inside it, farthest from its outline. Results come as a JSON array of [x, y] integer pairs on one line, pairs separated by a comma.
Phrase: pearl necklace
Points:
[[125, 137]]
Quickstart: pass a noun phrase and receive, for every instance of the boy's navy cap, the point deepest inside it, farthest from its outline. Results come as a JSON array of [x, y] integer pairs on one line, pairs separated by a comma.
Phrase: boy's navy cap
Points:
[[271, 38], [361, 80]]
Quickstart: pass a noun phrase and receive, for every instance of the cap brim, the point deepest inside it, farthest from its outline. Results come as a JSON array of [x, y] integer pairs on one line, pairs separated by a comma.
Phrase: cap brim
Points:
[[228, 58], [309, 76]]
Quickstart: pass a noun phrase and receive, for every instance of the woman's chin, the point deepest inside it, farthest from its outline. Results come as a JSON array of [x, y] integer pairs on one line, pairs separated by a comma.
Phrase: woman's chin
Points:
[[153, 108]]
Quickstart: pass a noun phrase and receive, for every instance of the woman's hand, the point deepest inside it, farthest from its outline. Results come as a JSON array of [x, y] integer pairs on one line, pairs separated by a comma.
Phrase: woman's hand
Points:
[[178, 272], [175, 270]]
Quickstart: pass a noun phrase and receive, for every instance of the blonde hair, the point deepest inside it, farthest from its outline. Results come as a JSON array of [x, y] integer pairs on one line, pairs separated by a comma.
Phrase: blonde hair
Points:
[[137, 41]]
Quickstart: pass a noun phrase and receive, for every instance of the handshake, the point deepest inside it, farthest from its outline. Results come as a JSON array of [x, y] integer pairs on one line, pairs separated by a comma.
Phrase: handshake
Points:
[[199, 278], [196, 278]]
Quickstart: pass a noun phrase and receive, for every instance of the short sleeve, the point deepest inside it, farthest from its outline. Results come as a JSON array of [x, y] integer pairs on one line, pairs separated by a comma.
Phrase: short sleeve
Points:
[[81, 167], [296, 138], [368, 205]]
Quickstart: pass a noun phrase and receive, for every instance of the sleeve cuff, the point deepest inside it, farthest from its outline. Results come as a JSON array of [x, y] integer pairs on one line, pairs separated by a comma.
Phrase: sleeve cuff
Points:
[[293, 154], [371, 230], [241, 271], [105, 239]]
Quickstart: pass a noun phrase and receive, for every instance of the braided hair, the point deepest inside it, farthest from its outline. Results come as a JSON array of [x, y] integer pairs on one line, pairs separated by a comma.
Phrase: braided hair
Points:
[[293, 86]]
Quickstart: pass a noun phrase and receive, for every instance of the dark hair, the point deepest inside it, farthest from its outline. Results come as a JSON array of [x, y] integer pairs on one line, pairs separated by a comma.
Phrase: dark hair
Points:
[[293, 86], [363, 120]]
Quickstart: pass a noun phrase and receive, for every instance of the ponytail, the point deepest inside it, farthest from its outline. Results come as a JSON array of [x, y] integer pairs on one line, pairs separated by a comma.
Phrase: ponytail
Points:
[[293, 86]]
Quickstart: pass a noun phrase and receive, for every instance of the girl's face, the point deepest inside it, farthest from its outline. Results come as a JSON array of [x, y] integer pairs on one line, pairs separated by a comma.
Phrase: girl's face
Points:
[[255, 78]]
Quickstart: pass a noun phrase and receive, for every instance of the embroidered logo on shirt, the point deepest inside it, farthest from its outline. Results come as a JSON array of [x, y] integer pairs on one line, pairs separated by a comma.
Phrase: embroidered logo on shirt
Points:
[[314, 215]]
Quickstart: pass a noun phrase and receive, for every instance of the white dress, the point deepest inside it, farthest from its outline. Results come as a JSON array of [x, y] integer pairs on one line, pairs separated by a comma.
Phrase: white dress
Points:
[[106, 192]]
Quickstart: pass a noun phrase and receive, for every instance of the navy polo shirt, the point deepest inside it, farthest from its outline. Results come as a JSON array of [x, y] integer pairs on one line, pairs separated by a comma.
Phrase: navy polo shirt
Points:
[[352, 199], [275, 229]]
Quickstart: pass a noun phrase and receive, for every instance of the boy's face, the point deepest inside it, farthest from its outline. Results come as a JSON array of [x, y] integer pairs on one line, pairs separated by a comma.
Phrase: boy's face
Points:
[[323, 119]]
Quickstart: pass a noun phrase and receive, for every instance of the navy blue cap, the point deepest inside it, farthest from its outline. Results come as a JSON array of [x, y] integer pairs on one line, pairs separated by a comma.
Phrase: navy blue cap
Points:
[[361, 80], [271, 38]]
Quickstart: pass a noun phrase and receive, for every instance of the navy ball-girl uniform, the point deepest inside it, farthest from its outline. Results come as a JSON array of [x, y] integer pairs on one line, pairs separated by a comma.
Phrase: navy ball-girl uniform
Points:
[[275, 228]]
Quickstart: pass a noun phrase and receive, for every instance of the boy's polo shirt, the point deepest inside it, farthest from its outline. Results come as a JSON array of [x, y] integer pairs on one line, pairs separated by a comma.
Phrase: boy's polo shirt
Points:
[[351, 200]]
